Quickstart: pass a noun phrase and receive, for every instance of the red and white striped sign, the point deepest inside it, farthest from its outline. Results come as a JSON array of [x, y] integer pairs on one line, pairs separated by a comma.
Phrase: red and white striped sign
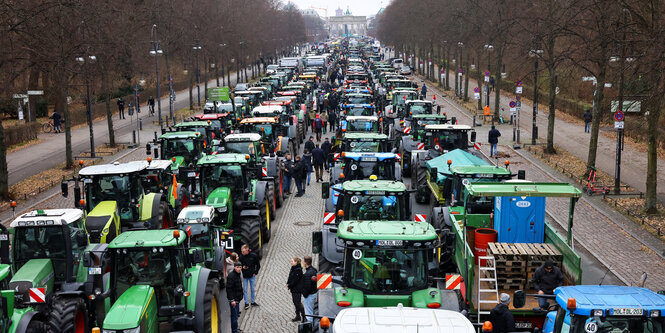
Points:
[[407, 130], [477, 145], [453, 281], [37, 295], [324, 281], [420, 218], [264, 172], [399, 156], [328, 218], [420, 145], [336, 156]]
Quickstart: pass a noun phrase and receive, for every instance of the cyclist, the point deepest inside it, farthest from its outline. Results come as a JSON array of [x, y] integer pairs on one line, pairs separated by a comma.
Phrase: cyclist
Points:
[[151, 105], [56, 121]]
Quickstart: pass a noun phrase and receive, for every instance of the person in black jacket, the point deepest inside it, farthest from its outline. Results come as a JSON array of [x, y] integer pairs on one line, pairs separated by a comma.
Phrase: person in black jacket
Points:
[[294, 284], [318, 160], [309, 145], [299, 174], [501, 318], [493, 139], [587, 121], [546, 278], [234, 294], [326, 146], [309, 290], [250, 269]]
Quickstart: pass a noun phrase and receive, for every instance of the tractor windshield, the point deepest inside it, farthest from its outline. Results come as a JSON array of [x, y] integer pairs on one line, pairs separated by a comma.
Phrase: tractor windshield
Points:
[[199, 234], [361, 126], [359, 111], [364, 168], [159, 268], [121, 188], [221, 175], [363, 146], [187, 148], [359, 99], [383, 271], [420, 108], [243, 147], [42, 243], [448, 140], [373, 207]]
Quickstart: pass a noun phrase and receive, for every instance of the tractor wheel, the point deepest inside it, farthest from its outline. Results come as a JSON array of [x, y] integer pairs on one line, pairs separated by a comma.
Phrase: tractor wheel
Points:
[[36, 326], [68, 314], [250, 233], [325, 266], [164, 218], [271, 198], [211, 310], [279, 190], [420, 182], [183, 199]]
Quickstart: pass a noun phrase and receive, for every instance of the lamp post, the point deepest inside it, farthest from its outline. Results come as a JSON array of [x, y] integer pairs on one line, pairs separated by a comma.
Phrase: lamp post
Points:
[[197, 48], [84, 60], [489, 48], [157, 51], [534, 128], [223, 45]]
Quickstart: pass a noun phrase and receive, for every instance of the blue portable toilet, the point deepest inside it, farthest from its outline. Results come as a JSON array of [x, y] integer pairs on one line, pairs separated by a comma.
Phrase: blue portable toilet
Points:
[[519, 219]]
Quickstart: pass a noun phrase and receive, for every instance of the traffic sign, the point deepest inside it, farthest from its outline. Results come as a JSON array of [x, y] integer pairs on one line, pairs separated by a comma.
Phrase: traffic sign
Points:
[[512, 104], [476, 95], [618, 124], [476, 89], [519, 83], [19, 96], [518, 90], [618, 115], [36, 92], [518, 97]]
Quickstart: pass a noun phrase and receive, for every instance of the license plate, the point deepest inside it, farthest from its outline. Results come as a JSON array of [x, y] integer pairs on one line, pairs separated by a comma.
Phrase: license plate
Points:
[[191, 174], [484, 175], [94, 270], [628, 312], [526, 325], [390, 242], [369, 159], [3, 238], [375, 192]]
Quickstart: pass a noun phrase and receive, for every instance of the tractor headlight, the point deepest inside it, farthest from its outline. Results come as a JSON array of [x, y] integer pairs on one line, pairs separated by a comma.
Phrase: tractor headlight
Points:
[[222, 209], [133, 330], [597, 313], [105, 231], [654, 313]]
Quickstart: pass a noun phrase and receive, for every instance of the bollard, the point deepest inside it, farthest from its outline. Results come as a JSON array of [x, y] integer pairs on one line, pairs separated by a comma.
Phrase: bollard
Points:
[[134, 137], [474, 121], [140, 124]]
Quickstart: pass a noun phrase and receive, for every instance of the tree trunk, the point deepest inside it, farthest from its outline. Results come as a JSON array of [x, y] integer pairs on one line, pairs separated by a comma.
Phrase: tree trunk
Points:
[[466, 78], [191, 91], [62, 108], [457, 65], [480, 89], [651, 199], [497, 94], [447, 69], [33, 84], [596, 115], [439, 61], [4, 173], [109, 115], [552, 97]]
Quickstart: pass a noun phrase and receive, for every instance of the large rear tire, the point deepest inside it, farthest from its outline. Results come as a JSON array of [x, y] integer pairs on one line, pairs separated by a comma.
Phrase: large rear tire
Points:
[[279, 190], [420, 180], [164, 218], [270, 211], [68, 314], [325, 266], [36, 326], [211, 307], [250, 234]]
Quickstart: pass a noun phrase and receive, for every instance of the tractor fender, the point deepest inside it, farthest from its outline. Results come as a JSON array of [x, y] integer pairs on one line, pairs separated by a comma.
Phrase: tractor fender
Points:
[[398, 172], [26, 318], [293, 129], [260, 191], [154, 207], [440, 218], [250, 212], [282, 145], [149, 204], [199, 319], [273, 166], [407, 143], [333, 247]]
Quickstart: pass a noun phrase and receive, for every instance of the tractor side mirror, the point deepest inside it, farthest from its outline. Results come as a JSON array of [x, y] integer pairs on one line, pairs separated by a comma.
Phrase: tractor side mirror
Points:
[[156, 153], [317, 242], [521, 174], [325, 190], [473, 136], [447, 186], [438, 109], [196, 256], [519, 299], [147, 149], [64, 188], [81, 239]]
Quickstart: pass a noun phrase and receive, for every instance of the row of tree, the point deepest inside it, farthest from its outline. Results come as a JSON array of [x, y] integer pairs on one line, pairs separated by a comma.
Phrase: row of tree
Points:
[[613, 41], [44, 41]]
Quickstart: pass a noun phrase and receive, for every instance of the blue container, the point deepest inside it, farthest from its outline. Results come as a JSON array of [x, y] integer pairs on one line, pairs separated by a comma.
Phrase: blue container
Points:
[[520, 219]]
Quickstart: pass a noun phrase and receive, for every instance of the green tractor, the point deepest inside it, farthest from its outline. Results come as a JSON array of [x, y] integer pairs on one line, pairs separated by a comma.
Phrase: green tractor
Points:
[[203, 231], [205, 127], [157, 283], [184, 149], [386, 263], [244, 203], [115, 200], [6, 300], [361, 143], [49, 288], [158, 177]]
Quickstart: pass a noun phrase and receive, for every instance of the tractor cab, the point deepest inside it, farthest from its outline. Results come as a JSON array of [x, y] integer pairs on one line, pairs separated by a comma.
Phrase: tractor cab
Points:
[[243, 106], [417, 123], [183, 148], [356, 166], [360, 124], [419, 107], [265, 93], [399, 97], [220, 123], [270, 111], [297, 94], [357, 98], [199, 222], [369, 199], [362, 142], [447, 137], [204, 127], [359, 109], [275, 136], [243, 143], [217, 107], [255, 97]]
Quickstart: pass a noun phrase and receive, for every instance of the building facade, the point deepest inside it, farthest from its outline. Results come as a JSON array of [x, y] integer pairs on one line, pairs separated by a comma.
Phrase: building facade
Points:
[[346, 24]]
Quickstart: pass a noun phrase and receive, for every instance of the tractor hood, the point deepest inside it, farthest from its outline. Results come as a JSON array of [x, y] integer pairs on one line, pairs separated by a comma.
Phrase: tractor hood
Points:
[[219, 197], [130, 308], [98, 222], [424, 298], [36, 273]]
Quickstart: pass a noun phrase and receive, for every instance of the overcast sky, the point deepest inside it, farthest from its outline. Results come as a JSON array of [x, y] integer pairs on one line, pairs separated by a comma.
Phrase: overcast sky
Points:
[[357, 7]]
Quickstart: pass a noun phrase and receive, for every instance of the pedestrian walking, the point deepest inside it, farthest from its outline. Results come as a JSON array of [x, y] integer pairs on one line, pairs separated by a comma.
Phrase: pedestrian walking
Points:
[[309, 145], [294, 284], [587, 121], [287, 173], [230, 261], [546, 278], [299, 170], [234, 294], [501, 318], [56, 121], [121, 108], [491, 83], [309, 289], [324, 119], [493, 139], [318, 127], [151, 105], [307, 158], [332, 120], [423, 91], [318, 159], [250, 268], [326, 146]]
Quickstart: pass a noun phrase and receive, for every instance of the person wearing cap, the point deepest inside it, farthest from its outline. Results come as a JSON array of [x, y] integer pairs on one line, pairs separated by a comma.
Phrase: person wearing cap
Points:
[[234, 293], [501, 318], [546, 278]]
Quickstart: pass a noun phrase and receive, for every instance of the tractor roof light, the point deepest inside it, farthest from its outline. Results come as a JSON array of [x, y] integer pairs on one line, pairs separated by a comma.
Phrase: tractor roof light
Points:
[[81, 162], [149, 159], [373, 178], [343, 304], [13, 204], [176, 234], [173, 159], [487, 326], [571, 304], [434, 305], [341, 175], [506, 163], [324, 323], [340, 213], [82, 202]]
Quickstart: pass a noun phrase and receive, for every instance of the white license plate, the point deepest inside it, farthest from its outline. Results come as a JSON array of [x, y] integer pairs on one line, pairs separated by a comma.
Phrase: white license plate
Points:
[[94, 270], [484, 175], [628, 312], [369, 159], [191, 174], [526, 325], [375, 192], [3, 238], [390, 242]]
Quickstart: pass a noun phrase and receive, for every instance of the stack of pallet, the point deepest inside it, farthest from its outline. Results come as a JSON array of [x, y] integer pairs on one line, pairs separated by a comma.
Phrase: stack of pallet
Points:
[[517, 262]]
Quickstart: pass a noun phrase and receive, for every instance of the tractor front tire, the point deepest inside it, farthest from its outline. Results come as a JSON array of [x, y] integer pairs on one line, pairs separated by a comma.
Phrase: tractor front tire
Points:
[[211, 310], [68, 314], [36, 326], [250, 233], [164, 218]]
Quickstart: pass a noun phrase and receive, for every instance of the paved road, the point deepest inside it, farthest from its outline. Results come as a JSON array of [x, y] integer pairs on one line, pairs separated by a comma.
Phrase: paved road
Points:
[[51, 151]]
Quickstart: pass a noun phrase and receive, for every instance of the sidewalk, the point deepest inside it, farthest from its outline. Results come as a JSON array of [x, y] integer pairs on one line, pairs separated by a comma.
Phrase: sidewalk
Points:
[[50, 152], [572, 138]]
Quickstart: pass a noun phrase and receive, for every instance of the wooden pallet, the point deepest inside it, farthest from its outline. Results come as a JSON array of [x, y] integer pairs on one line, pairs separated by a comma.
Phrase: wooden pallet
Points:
[[506, 252], [511, 286]]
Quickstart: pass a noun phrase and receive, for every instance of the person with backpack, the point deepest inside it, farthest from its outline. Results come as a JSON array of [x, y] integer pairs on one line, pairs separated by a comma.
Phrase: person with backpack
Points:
[[423, 91]]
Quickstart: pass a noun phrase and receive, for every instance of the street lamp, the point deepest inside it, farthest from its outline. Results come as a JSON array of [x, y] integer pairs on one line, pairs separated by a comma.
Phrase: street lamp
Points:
[[157, 51], [489, 48], [223, 45], [458, 76], [84, 60], [197, 48], [533, 53]]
